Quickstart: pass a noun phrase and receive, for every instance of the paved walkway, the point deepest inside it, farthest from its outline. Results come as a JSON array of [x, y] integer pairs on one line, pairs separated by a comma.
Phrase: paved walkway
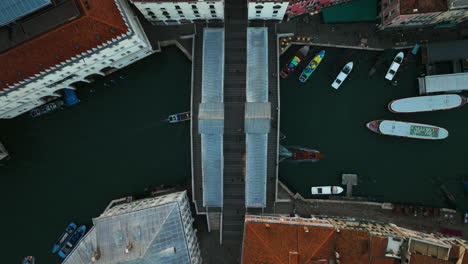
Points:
[[352, 34]]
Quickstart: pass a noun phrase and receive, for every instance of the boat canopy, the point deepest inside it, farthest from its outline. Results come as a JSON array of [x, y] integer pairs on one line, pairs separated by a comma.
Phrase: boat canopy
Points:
[[257, 117], [444, 83], [211, 117]]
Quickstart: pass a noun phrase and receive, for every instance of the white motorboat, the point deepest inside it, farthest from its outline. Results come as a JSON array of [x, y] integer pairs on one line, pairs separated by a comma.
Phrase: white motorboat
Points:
[[342, 75], [394, 66], [427, 103], [407, 129], [323, 190]]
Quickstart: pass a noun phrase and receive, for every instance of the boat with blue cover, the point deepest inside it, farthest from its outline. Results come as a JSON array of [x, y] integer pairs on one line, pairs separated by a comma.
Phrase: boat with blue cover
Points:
[[64, 237], [312, 66], [71, 243], [70, 97]]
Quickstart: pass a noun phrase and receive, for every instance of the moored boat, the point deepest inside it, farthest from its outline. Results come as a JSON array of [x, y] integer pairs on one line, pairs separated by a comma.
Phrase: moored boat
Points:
[[69, 230], [71, 243], [342, 75], [427, 103], [312, 66], [3, 152], [394, 66], [294, 62], [180, 117], [46, 108], [407, 129], [322, 190], [29, 260], [307, 155]]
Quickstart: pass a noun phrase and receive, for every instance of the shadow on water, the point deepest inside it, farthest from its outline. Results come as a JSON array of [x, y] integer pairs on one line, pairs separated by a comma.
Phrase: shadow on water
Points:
[[333, 121], [67, 165]]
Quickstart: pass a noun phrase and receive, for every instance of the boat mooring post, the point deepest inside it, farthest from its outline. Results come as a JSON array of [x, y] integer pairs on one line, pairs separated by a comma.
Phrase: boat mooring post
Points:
[[349, 180]]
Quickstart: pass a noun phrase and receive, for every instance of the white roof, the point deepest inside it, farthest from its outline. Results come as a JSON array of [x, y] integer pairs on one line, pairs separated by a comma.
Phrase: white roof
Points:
[[412, 130], [426, 103], [446, 82]]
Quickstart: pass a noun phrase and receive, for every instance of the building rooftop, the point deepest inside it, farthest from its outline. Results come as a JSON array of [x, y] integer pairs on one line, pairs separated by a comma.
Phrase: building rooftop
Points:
[[11, 10], [144, 231], [286, 240], [100, 22], [422, 6]]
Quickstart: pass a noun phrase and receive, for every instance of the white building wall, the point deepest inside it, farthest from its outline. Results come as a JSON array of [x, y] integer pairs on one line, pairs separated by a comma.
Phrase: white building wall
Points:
[[118, 53], [267, 10], [169, 13]]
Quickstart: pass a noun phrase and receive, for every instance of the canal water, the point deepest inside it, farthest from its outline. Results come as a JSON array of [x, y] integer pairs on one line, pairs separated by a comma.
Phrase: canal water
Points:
[[316, 116], [67, 166]]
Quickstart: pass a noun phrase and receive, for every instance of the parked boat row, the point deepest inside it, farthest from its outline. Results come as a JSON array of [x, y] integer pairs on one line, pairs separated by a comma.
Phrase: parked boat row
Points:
[[312, 66], [294, 62], [68, 239]]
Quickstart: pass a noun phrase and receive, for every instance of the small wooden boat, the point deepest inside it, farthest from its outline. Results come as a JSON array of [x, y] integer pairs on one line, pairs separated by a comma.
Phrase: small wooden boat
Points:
[[312, 66], [46, 108], [427, 103], [394, 66], [407, 129], [294, 62], [323, 190], [29, 260], [342, 75], [307, 155], [180, 117], [71, 243], [69, 230]]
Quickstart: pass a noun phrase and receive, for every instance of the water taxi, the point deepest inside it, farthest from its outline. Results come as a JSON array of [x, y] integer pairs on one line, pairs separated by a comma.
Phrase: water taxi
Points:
[[407, 129], [295, 61], [427, 103], [312, 66], [343, 75], [180, 117], [64, 237], [394, 66], [323, 190], [71, 243]]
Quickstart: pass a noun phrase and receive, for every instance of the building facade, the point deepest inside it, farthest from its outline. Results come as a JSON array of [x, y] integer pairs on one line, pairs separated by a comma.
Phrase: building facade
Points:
[[304, 7], [315, 240], [267, 10], [164, 12], [154, 230], [400, 13], [94, 38]]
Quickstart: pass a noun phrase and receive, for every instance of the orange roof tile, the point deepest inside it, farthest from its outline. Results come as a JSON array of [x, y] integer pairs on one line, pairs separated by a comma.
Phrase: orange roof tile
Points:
[[353, 246], [420, 259], [378, 246], [99, 24], [278, 243]]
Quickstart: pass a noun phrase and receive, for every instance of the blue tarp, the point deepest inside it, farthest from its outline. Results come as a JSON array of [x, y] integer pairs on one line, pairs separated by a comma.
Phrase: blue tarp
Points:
[[70, 97]]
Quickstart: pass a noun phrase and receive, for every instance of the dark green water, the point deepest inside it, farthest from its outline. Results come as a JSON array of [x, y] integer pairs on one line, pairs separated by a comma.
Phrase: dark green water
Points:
[[333, 121], [68, 165]]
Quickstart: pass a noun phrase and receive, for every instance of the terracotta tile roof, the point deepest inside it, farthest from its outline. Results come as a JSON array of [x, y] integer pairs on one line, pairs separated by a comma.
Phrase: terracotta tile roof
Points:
[[287, 244], [378, 246], [353, 246], [422, 6], [420, 259], [101, 23], [383, 261]]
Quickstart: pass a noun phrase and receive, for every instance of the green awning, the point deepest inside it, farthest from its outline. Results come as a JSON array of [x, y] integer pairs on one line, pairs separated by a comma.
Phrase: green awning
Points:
[[354, 11]]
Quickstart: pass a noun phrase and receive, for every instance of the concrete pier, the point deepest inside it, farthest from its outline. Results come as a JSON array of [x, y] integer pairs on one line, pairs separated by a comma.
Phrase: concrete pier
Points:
[[349, 180]]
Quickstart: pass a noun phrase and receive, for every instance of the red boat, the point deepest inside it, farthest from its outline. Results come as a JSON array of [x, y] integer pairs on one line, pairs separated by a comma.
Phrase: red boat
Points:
[[295, 61], [307, 155]]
